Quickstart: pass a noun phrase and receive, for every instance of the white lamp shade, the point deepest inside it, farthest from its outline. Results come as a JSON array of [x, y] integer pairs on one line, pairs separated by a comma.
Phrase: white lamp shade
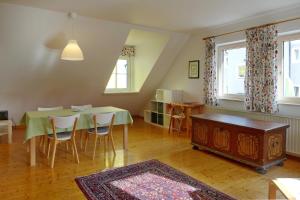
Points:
[[72, 51]]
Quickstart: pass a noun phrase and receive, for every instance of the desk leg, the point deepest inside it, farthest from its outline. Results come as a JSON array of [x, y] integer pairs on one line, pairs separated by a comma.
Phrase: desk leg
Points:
[[10, 134], [32, 152], [188, 121], [272, 190], [125, 137]]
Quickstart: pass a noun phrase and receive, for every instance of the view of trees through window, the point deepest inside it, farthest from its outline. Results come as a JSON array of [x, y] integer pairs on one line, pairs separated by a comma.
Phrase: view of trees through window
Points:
[[119, 77], [234, 66], [291, 68]]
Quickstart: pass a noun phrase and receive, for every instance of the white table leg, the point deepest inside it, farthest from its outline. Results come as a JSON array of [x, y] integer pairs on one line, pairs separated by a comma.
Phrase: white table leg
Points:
[[32, 152], [10, 133], [125, 137]]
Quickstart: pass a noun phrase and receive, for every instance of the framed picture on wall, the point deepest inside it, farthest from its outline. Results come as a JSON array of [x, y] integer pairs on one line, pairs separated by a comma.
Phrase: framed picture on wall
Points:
[[194, 68]]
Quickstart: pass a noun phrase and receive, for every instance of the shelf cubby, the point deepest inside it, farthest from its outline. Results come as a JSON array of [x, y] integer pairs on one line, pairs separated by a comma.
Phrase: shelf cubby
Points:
[[158, 110]]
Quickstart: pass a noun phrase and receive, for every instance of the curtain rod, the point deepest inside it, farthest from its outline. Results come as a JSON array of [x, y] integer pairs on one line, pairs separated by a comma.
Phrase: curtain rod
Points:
[[263, 25]]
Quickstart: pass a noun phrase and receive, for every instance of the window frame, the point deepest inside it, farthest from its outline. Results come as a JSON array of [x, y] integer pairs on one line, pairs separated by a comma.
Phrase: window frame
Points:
[[280, 60], [129, 76], [220, 70]]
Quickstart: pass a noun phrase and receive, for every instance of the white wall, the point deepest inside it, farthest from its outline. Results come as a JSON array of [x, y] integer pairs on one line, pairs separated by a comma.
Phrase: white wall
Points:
[[177, 77], [32, 74]]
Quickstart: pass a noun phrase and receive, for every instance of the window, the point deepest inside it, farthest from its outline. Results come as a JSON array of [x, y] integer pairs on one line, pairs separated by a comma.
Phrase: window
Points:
[[296, 51], [231, 69], [231, 62], [120, 77], [289, 67]]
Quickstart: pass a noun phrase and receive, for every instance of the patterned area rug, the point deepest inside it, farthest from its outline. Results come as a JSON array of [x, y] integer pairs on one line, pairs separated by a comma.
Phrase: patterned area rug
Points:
[[146, 180]]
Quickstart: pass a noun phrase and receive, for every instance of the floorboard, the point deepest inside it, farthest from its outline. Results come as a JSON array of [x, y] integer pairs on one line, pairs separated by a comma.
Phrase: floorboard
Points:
[[19, 181]]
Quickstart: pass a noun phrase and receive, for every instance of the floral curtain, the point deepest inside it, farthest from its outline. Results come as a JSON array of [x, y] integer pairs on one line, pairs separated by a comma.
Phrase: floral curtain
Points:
[[210, 73], [128, 51], [261, 70]]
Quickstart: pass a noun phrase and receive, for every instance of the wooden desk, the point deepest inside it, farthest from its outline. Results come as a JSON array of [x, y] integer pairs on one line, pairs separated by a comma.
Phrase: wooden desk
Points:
[[190, 109], [289, 187], [257, 143]]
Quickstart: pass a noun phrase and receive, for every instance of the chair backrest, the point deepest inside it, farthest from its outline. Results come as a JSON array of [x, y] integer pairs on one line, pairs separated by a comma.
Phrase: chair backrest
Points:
[[50, 108], [104, 119], [83, 107], [177, 109], [64, 122]]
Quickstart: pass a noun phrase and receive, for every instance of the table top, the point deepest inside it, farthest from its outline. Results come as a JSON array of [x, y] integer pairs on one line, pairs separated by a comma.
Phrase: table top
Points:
[[290, 187], [37, 122], [188, 104], [241, 121], [192, 104], [66, 112]]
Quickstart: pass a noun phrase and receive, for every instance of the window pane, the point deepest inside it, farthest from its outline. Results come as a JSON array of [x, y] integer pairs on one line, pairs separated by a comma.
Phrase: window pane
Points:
[[114, 71], [121, 81], [112, 82], [118, 79], [234, 70], [122, 66], [291, 68]]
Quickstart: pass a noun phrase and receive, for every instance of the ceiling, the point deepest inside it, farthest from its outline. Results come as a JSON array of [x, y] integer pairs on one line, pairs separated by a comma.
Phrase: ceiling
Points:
[[174, 15]]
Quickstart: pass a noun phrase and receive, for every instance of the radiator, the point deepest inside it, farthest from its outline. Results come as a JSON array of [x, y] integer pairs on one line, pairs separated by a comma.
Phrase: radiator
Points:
[[293, 133]]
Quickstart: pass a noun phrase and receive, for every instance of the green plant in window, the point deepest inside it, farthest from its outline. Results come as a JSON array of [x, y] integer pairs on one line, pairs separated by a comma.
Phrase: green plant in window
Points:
[[242, 70]]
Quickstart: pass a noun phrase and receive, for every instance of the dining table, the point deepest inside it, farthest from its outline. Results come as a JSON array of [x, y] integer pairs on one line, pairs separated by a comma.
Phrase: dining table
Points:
[[37, 123]]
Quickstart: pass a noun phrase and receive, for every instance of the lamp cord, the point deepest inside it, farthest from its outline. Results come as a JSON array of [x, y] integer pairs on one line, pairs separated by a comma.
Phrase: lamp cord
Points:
[[72, 33]]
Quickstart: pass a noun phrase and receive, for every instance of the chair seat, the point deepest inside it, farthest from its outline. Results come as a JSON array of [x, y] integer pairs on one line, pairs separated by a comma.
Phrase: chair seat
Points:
[[62, 135], [178, 116], [100, 130]]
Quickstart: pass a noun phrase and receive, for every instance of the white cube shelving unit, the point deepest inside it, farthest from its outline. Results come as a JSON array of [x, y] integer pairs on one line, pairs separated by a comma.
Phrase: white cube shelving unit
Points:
[[157, 112]]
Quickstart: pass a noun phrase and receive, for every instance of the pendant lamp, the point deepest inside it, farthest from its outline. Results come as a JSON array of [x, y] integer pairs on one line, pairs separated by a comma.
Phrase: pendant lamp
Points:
[[72, 50]]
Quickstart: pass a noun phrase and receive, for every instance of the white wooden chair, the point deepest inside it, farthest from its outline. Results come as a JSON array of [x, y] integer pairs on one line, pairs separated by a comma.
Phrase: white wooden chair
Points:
[[103, 123], [81, 108], [44, 138], [6, 128], [177, 117], [63, 123], [50, 108]]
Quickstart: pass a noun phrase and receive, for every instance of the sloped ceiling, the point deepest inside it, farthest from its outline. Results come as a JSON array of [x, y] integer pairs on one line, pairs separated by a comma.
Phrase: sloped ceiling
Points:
[[175, 15], [32, 74], [148, 45]]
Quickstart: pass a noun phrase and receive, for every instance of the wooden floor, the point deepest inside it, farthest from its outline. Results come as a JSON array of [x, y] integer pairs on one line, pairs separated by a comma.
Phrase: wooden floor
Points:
[[19, 181]]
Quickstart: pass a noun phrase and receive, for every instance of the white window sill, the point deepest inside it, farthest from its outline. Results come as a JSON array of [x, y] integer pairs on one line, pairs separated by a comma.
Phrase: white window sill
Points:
[[119, 92], [293, 102], [231, 98], [290, 101]]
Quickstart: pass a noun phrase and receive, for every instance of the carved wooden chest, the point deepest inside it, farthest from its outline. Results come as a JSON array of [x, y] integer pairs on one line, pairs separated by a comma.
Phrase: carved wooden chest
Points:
[[257, 143]]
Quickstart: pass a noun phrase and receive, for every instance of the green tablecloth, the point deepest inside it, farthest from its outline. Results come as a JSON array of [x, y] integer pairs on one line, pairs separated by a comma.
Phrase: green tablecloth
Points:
[[37, 122]]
